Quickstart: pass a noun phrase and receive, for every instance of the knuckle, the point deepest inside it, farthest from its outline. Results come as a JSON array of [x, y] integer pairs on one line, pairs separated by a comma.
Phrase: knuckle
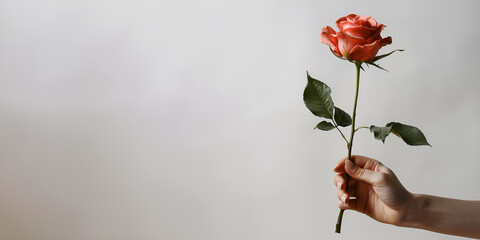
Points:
[[339, 194], [337, 179], [383, 177], [359, 171]]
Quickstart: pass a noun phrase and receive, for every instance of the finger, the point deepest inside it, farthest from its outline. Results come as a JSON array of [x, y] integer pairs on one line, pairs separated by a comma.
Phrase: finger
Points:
[[350, 204], [362, 174], [339, 180], [340, 167], [351, 189], [343, 205], [342, 196], [369, 163], [362, 161]]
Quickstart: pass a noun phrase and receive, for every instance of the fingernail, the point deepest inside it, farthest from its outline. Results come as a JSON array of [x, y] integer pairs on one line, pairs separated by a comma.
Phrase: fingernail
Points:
[[350, 165], [344, 198], [339, 185]]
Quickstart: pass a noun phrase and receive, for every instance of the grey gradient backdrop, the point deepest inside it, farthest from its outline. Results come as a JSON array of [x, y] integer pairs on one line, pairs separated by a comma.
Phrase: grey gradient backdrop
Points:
[[181, 120]]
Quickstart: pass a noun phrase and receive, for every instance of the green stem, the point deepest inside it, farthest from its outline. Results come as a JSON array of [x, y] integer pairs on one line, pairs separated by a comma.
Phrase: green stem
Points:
[[350, 145], [358, 65], [361, 128], [340, 131]]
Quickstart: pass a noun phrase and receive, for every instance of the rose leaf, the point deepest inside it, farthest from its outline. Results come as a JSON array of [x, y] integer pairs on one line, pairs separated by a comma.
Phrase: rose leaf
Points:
[[342, 118], [325, 126], [317, 98], [380, 133], [409, 134]]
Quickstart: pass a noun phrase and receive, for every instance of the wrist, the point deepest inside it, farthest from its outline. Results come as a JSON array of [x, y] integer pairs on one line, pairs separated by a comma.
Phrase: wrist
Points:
[[415, 211]]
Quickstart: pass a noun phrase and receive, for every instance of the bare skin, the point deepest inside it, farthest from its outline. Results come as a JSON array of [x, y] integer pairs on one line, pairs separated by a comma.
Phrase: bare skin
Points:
[[379, 194]]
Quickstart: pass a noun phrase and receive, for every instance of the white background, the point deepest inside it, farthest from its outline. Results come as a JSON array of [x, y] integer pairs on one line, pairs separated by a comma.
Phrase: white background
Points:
[[185, 119]]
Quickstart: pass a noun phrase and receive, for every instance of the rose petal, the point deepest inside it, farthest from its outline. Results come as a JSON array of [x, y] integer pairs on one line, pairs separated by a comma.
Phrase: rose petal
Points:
[[341, 19], [360, 26], [329, 37], [367, 21], [353, 18], [345, 25], [344, 20], [336, 52], [386, 41], [359, 31], [367, 52], [346, 43], [376, 35]]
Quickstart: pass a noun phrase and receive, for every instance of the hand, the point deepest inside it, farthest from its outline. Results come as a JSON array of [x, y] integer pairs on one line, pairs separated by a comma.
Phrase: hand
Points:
[[378, 192]]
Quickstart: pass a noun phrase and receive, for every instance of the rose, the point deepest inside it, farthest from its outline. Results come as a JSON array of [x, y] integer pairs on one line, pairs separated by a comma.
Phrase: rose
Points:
[[358, 39]]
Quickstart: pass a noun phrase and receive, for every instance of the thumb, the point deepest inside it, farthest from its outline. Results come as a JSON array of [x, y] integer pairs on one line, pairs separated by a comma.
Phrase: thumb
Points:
[[362, 174]]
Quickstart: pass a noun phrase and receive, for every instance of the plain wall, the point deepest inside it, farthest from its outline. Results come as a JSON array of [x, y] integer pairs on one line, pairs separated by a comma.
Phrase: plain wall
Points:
[[181, 120]]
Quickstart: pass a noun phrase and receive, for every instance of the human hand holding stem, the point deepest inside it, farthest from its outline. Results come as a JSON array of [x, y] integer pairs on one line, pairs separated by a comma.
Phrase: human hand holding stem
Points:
[[380, 195]]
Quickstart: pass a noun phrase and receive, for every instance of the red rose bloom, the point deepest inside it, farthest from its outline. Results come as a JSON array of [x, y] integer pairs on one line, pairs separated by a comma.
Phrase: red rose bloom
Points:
[[358, 38]]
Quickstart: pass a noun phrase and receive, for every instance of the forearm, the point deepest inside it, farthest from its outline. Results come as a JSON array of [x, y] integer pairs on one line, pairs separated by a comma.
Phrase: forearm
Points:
[[444, 215]]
